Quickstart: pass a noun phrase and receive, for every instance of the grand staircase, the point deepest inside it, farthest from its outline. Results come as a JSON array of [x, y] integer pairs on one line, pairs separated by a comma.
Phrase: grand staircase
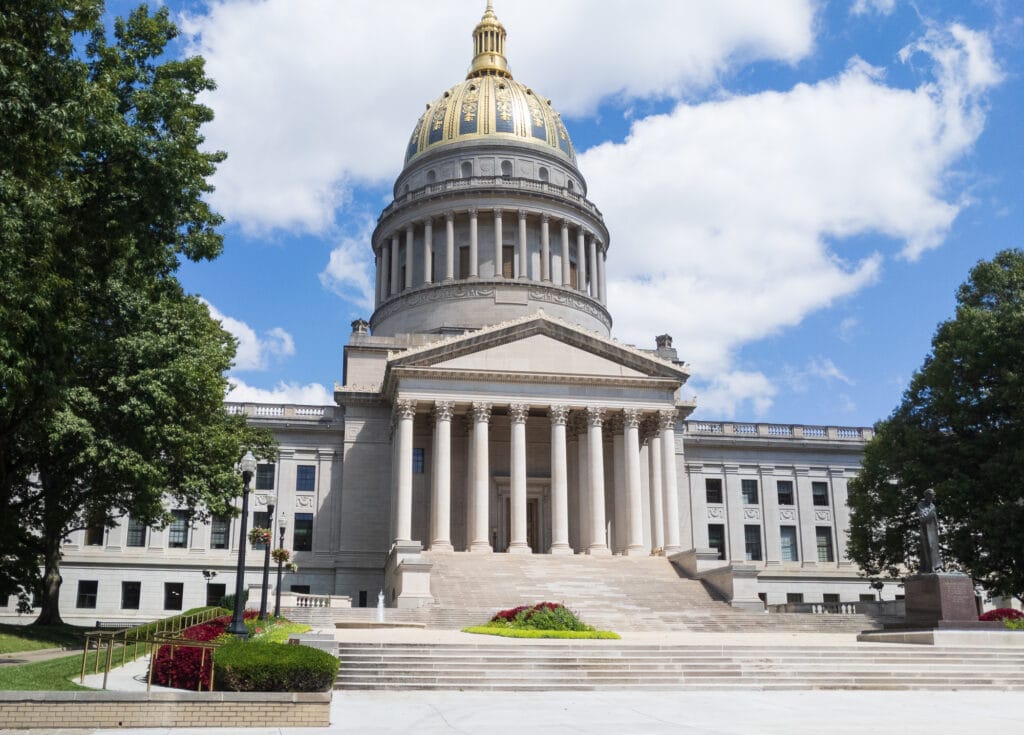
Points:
[[600, 665]]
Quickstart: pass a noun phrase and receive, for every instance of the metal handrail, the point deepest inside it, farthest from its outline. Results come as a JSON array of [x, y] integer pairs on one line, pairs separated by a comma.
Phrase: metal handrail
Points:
[[135, 636], [159, 641]]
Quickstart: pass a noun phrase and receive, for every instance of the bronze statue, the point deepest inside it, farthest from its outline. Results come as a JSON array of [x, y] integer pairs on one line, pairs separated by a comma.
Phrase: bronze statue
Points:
[[931, 556]]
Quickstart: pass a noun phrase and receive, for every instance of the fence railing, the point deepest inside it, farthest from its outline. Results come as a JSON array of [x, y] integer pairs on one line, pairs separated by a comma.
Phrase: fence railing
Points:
[[129, 640], [176, 643]]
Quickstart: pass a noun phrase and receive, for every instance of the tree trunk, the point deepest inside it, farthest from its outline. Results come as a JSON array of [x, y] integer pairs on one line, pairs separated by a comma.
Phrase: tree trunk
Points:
[[49, 614]]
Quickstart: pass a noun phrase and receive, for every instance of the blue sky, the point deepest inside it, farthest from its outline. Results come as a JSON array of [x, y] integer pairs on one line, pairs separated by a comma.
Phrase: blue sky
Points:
[[794, 189]]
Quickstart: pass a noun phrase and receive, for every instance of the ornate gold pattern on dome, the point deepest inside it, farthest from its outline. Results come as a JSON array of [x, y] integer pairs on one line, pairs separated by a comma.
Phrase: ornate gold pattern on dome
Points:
[[490, 104]]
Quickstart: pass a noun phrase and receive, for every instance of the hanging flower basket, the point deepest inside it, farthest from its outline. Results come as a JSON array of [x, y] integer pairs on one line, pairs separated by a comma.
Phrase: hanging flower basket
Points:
[[281, 556], [292, 567], [259, 536]]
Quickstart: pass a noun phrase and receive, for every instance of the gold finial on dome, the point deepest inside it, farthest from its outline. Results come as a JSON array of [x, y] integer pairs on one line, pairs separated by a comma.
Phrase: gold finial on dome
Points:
[[489, 47]]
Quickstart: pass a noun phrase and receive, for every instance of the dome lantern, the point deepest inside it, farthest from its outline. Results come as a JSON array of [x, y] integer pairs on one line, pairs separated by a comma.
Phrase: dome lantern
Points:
[[489, 47]]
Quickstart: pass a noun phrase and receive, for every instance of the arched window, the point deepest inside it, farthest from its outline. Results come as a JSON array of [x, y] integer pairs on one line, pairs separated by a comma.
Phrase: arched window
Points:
[[543, 173], [506, 169], [467, 169], [571, 185], [431, 176]]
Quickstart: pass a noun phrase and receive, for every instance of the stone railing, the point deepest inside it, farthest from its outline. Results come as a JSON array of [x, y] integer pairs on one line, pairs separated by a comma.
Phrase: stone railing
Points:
[[284, 411], [498, 183], [778, 431], [307, 602], [866, 607]]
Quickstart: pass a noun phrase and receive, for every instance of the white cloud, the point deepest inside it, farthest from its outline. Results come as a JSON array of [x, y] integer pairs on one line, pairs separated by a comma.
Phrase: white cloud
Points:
[[350, 269], [881, 7], [254, 353], [730, 391], [847, 328], [312, 96], [825, 369], [311, 394], [728, 217]]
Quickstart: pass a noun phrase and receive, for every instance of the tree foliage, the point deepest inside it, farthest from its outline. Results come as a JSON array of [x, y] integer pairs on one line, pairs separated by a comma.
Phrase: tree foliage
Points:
[[111, 377], [960, 431]]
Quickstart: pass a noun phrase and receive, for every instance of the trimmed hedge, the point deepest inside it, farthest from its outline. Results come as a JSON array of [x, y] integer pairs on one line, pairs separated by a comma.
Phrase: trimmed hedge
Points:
[[272, 667], [532, 633]]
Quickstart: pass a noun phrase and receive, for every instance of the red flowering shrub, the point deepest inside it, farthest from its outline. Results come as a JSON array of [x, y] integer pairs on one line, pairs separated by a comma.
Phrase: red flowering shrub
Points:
[[1002, 613], [189, 666], [542, 616]]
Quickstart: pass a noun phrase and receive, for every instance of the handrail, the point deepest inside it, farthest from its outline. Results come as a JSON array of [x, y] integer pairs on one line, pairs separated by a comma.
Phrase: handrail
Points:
[[174, 643], [140, 634]]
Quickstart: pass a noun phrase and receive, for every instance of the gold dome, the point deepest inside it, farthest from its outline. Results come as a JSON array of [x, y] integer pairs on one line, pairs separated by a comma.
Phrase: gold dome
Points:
[[490, 104]]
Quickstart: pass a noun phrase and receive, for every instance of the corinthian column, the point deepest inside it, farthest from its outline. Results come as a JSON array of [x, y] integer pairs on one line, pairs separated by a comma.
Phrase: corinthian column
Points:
[[635, 535], [524, 269], [654, 467], [498, 266], [394, 265], [481, 478], [667, 424], [559, 482], [592, 260], [449, 246], [441, 502], [428, 250], [473, 272], [595, 453], [405, 411], [602, 285], [581, 260], [566, 268], [409, 234], [517, 413], [545, 249]]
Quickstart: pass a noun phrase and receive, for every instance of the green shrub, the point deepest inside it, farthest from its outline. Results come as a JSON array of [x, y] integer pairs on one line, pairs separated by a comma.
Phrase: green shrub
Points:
[[1014, 624], [228, 601], [507, 632], [254, 666]]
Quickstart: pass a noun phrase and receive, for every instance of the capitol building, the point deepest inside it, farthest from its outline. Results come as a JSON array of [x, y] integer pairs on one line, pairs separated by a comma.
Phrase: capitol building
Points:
[[485, 409]]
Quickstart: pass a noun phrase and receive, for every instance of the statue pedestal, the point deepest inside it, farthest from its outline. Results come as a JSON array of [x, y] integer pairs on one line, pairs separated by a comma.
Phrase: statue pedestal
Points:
[[940, 600]]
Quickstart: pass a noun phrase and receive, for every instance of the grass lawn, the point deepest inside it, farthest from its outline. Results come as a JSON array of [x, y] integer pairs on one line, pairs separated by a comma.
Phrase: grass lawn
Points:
[[507, 632], [53, 675], [18, 638]]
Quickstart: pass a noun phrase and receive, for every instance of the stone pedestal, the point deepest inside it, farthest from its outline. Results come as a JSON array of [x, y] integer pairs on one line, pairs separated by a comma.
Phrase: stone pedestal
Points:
[[940, 600]]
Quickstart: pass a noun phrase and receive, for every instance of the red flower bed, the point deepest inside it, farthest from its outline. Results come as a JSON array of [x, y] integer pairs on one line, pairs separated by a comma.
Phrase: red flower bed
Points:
[[190, 666], [1002, 613], [510, 614]]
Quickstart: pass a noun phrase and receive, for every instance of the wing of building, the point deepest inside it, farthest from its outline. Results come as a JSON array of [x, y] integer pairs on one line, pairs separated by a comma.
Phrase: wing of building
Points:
[[485, 409]]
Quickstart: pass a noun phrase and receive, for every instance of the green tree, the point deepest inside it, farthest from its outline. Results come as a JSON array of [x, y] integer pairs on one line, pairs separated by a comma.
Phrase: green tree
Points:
[[960, 431], [111, 377]]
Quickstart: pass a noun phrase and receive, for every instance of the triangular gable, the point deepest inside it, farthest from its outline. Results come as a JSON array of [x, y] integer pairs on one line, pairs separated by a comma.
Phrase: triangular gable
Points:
[[538, 344]]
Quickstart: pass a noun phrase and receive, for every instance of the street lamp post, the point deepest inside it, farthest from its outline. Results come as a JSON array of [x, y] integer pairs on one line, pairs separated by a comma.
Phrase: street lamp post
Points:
[[248, 469], [208, 575], [266, 561], [282, 524]]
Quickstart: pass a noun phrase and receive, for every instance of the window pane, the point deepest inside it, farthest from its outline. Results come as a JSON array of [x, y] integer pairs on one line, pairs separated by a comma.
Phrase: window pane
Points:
[[303, 538], [819, 491], [713, 489], [716, 538], [794, 597], [830, 597], [300, 589], [264, 477], [785, 492], [130, 594], [305, 478], [417, 460], [136, 532], [788, 537], [749, 491], [219, 532], [214, 594], [752, 538], [824, 537], [173, 594], [94, 535], [177, 537], [87, 593]]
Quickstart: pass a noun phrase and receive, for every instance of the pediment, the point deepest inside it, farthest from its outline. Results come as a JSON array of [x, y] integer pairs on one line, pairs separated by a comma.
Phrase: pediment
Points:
[[539, 353]]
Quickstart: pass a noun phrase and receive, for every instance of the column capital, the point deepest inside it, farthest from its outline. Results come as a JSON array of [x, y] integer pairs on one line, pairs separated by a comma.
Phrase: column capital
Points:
[[497, 214], [443, 410], [631, 417], [518, 412], [473, 211], [545, 218], [449, 216], [394, 238], [410, 228], [427, 222], [522, 214], [559, 415], [481, 412], [595, 415], [405, 408], [614, 422], [667, 419], [565, 224]]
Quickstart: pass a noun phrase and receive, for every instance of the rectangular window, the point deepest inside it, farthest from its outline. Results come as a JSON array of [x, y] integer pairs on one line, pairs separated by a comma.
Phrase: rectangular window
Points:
[[136, 533], [94, 535], [131, 592], [572, 275], [787, 535], [264, 477], [174, 592], [794, 597], [785, 488], [752, 542], [716, 538], [749, 492], [214, 594], [219, 526], [303, 538], [830, 597], [463, 262], [87, 593], [260, 519], [362, 598], [305, 478], [300, 589], [819, 492], [867, 598], [177, 537], [418, 460], [508, 261], [824, 537], [713, 489]]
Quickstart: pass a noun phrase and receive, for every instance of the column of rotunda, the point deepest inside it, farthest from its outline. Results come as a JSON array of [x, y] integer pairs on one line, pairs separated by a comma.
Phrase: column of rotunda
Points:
[[590, 473], [395, 255]]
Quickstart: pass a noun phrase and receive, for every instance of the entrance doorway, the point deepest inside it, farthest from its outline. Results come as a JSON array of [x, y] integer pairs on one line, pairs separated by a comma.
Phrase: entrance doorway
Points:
[[538, 518]]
